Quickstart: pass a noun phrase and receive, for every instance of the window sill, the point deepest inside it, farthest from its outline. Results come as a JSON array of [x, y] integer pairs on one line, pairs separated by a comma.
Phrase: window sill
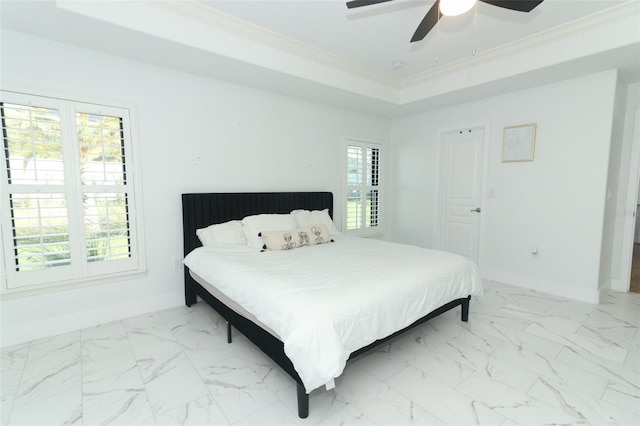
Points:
[[42, 289]]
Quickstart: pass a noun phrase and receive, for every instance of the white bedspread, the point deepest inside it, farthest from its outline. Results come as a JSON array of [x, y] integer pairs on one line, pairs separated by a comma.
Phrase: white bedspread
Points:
[[329, 300]]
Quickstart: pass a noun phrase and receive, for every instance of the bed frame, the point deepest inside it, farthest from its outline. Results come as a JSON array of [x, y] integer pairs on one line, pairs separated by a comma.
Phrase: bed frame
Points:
[[203, 209]]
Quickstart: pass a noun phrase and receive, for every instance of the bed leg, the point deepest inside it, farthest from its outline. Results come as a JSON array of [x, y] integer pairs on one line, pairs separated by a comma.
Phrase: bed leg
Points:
[[228, 332], [190, 296], [465, 309], [303, 402]]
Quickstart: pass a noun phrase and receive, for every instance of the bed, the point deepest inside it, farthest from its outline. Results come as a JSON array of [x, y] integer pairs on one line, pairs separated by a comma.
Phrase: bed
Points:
[[295, 306]]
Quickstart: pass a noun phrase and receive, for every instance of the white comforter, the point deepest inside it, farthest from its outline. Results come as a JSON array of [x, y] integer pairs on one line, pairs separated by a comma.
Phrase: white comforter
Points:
[[329, 300]]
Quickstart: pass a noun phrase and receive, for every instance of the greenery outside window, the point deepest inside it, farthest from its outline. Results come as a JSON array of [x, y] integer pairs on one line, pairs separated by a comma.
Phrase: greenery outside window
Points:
[[363, 189], [68, 201]]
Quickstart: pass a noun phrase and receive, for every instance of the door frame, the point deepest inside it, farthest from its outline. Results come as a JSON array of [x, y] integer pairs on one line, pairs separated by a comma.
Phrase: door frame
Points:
[[626, 256], [486, 126]]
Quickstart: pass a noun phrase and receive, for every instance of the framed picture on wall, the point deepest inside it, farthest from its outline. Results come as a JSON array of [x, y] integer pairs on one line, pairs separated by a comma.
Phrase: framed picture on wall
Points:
[[519, 143]]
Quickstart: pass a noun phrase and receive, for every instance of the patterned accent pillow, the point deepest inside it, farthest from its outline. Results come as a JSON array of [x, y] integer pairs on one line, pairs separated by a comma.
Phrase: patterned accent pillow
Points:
[[296, 238], [253, 225]]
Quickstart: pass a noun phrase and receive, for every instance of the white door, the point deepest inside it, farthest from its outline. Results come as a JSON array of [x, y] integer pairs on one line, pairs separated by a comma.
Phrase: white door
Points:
[[461, 191]]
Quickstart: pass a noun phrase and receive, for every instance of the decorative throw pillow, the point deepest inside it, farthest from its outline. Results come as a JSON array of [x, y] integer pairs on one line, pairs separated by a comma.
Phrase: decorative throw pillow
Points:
[[280, 240], [253, 225], [296, 238], [227, 233]]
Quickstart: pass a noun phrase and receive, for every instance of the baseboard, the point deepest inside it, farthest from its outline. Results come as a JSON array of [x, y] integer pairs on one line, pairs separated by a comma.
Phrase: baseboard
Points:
[[24, 332], [603, 293], [550, 287]]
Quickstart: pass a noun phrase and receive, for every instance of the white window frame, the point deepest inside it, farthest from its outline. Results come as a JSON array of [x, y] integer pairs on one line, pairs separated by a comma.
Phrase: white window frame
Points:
[[364, 231], [80, 272]]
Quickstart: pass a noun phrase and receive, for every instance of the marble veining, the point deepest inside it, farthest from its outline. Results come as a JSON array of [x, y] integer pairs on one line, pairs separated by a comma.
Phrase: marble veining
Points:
[[523, 358]]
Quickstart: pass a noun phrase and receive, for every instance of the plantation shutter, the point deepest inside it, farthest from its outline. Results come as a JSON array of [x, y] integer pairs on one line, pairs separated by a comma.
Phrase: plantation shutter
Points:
[[104, 179], [363, 187], [37, 190], [68, 197]]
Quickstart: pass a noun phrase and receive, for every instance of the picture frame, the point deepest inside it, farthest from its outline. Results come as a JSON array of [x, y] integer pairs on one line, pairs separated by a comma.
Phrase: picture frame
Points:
[[519, 143]]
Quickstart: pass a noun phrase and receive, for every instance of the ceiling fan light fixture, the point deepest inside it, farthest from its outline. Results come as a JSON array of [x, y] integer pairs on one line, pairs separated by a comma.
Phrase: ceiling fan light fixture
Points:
[[455, 7]]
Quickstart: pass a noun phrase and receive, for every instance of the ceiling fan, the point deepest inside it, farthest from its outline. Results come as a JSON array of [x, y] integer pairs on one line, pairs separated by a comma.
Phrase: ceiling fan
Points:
[[435, 13]]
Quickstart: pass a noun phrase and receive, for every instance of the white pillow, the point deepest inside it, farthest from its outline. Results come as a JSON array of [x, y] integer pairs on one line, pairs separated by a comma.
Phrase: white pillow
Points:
[[296, 238], [223, 233], [254, 225], [311, 217]]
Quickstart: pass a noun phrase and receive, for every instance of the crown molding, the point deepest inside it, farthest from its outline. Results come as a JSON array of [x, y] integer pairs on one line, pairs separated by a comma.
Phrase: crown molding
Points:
[[614, 15], [191, 9], [213, 18]]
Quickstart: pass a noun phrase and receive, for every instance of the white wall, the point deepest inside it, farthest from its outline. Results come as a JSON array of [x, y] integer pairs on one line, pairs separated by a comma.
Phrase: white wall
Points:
[[556, 202], [195, 134]]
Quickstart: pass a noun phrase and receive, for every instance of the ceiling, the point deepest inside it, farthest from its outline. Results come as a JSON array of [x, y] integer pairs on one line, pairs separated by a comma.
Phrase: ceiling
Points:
[[322, 51], [376, 36]]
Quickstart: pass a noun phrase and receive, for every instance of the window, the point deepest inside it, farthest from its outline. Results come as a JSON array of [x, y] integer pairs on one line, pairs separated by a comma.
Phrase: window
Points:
[[363, 188], [68, 199]]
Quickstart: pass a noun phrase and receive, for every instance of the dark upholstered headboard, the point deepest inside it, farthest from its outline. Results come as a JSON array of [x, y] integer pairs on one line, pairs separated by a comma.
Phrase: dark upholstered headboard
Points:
[[204, 209]]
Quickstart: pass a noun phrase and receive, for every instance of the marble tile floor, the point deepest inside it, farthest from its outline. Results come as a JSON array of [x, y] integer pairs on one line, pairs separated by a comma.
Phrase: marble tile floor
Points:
[[524, 358]]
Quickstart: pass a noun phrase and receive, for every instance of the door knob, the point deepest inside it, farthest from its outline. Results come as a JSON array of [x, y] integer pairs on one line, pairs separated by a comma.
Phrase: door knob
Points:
[[477, 210]]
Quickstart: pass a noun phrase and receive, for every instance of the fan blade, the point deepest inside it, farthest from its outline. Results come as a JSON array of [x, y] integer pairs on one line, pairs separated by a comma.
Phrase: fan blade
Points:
[[428, 22], [360, 3], [518, 5]]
